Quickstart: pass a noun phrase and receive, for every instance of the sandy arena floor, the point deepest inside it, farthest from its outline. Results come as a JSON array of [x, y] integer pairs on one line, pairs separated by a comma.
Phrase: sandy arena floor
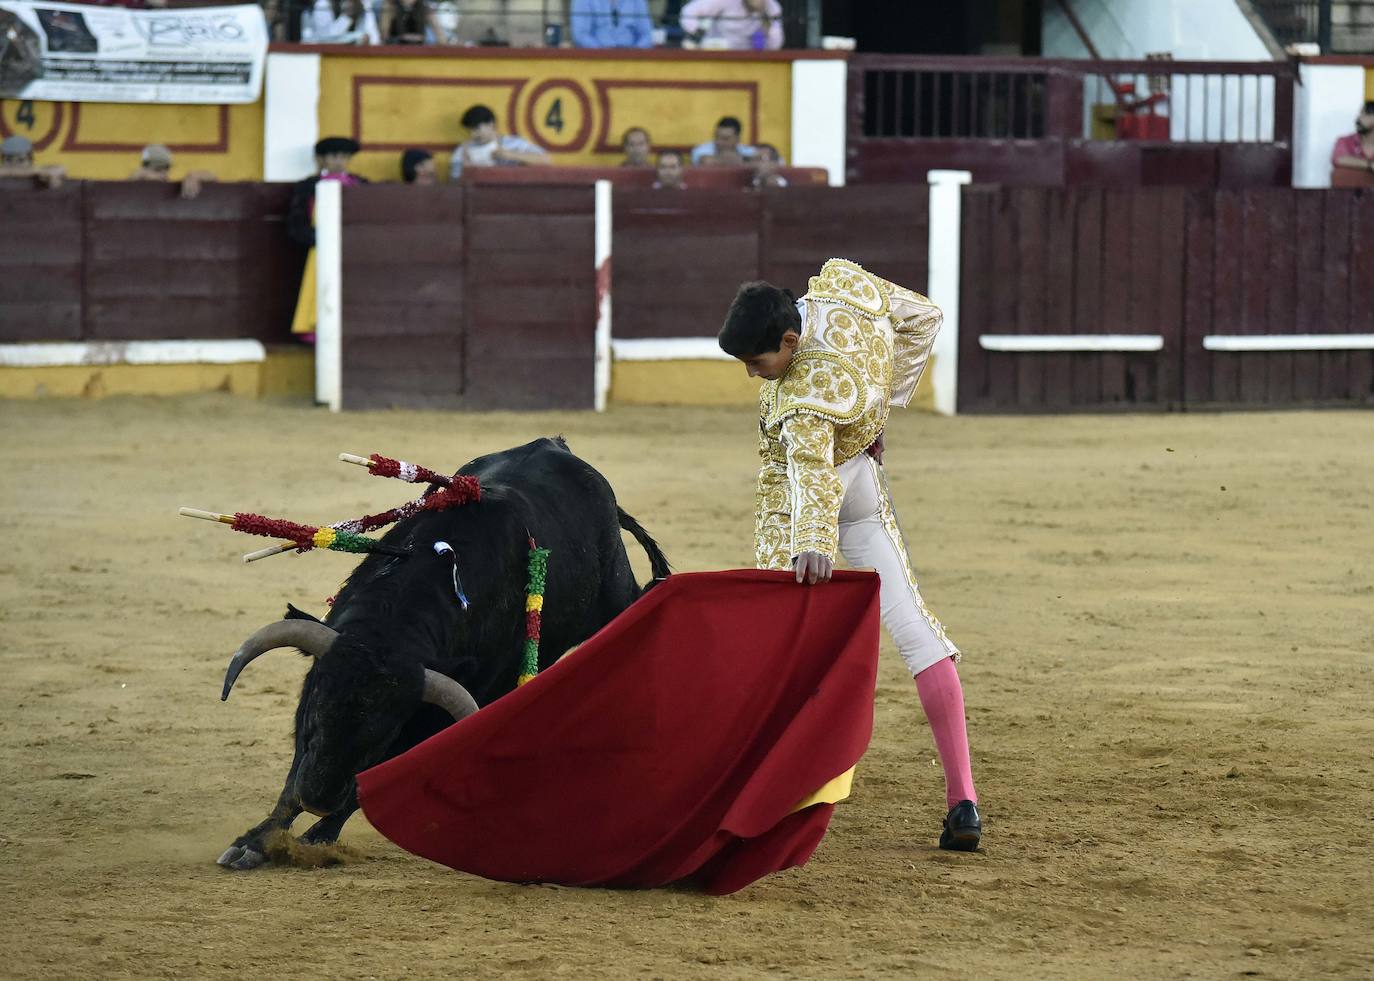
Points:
[[1169, 633]]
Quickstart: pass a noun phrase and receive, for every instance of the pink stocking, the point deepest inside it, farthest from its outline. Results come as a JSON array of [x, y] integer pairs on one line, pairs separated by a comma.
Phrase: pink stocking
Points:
[[942, 697]]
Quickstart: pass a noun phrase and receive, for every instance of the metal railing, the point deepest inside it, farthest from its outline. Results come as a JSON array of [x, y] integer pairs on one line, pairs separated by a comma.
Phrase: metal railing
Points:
[[936, 104], [1035, 99], [546, 23], [1191, 107]]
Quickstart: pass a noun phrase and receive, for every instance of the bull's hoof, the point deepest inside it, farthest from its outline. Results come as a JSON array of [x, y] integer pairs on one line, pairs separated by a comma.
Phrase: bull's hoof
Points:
[[240, 859]]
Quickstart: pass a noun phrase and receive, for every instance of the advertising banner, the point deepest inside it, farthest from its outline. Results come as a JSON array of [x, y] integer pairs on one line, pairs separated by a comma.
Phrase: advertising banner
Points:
[[63, 52]]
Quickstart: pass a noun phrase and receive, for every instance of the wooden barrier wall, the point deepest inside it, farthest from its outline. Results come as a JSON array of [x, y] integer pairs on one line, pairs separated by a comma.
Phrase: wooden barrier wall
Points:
[[468, 297], [680, 257], [1278, 262], [92, 261], [1178, 263], [483, 296], [404, 296]]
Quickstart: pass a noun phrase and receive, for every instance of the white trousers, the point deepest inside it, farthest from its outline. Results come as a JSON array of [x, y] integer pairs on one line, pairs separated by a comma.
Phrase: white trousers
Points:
[[870, 536]]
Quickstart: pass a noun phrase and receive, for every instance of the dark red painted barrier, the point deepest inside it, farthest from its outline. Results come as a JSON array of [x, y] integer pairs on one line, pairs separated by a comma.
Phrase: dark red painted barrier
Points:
[[120, 261], [404, 251], [1182, 264], [1278, 262], [468, 297], [484, 296], [680, 257]]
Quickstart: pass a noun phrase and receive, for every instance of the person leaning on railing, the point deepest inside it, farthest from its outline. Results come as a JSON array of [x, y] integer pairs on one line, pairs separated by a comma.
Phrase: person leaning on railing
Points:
[[1356, 151], [16, 161], [155, 164]]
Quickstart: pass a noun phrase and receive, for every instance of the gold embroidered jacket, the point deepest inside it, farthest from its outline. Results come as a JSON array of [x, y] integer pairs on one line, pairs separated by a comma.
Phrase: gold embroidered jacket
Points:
[[864, 344]]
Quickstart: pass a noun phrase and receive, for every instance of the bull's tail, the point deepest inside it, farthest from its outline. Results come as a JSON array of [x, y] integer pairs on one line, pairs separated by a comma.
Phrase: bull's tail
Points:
[[658, 564]]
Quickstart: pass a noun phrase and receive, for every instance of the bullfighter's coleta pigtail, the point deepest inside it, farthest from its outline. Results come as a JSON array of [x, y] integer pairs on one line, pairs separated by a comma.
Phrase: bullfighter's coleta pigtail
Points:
[[534, 607]]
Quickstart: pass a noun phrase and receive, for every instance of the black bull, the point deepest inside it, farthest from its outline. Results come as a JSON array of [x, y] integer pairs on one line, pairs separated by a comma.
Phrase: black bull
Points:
[[397, 658]]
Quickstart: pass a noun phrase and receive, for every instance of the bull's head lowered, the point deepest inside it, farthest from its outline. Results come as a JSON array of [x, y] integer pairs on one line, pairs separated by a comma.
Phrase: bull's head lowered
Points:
[[358, 701]]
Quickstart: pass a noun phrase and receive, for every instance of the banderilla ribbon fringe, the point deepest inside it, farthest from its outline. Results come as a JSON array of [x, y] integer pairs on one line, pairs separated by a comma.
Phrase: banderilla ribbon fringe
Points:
[[534, 610], [309, 536]]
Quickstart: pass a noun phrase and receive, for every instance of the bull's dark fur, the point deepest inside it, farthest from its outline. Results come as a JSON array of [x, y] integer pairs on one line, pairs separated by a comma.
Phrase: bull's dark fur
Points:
[[360, 704]]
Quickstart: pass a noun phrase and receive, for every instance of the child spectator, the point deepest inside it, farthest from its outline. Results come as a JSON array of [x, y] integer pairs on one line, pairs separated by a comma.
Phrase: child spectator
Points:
[[417, 167], [487, 147], [766, 161], [669, 171]]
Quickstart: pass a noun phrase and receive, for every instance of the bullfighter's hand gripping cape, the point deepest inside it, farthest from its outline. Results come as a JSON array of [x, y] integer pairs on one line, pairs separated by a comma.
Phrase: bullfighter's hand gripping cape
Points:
[[702, 736], [864, 345]]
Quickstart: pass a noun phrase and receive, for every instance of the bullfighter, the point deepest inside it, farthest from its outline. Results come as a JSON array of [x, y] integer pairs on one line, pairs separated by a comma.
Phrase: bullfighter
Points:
[[834, 364]]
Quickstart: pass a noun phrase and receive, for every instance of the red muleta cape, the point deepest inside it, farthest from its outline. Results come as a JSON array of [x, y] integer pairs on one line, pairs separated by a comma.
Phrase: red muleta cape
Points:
[[674, 745]]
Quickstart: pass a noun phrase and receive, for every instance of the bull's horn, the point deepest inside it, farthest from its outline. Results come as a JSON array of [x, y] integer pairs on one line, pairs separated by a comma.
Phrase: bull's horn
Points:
[[453, 698], [310, 636]]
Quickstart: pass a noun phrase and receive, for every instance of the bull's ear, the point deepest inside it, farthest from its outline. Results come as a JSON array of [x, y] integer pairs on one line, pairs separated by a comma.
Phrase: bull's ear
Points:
[[294, 614]]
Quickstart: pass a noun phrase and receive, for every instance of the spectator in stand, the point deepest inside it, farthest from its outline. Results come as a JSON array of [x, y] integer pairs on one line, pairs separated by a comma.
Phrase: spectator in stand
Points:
[[486, 147], [1356, 151], [332, 155], [277, 29], [638, 147], [155, 164], [417, 167], [339, 22], [16, 160], [611, 24], [766, 161], [740, 25], [669, 171], [405, 21], [725, 150]]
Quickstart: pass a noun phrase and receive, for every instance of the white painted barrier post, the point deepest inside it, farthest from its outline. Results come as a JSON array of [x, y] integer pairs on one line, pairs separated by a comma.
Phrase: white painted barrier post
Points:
[[291, 104], [329, 294], [943, 285], [819, 121], [601, 258]]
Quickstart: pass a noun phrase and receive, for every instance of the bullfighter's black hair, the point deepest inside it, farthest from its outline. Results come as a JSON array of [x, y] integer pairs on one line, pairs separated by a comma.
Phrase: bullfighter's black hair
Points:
[[760, 314]]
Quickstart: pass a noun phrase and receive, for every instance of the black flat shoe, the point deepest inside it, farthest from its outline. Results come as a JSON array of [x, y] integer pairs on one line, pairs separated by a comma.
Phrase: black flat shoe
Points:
[[963, 828]]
